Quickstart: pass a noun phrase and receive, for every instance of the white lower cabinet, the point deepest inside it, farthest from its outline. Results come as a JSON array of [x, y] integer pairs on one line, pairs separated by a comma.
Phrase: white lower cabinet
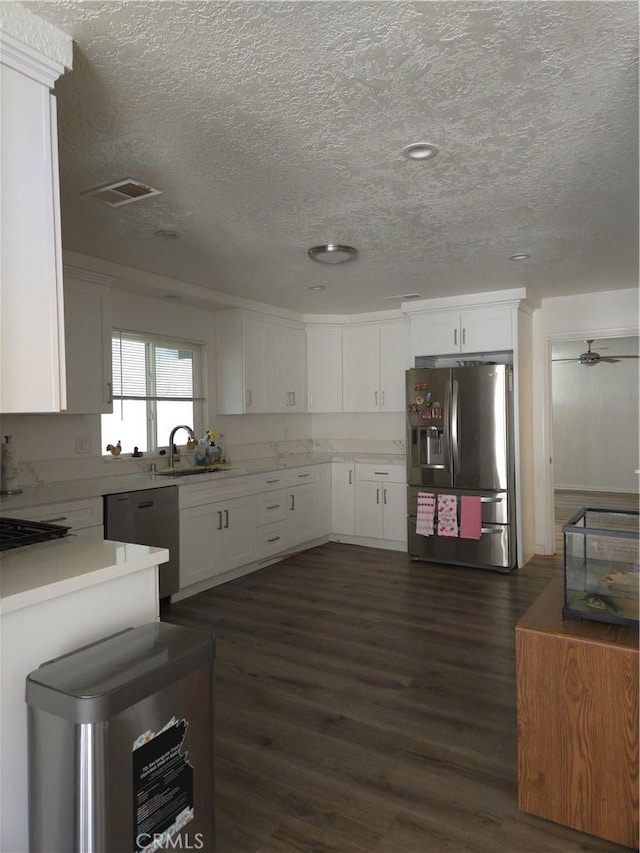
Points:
[[215, 538], [381, 502], [343, 498], [82, 517]]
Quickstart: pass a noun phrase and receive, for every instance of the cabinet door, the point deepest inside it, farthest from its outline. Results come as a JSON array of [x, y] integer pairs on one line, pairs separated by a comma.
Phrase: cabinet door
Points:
[[486, 330], [369, 508], [361, 369], [343, 498], [255, 354], [324, 370], [395, 358], [302, 522], [199, 543], [32, 377], [238, 523], [295, 370], [87, 313], [437, 334], [394, 515]]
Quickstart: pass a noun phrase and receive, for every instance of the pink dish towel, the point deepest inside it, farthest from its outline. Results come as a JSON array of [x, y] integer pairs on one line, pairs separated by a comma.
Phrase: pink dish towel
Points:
[[470, 517], [447, 515], [426, 512]]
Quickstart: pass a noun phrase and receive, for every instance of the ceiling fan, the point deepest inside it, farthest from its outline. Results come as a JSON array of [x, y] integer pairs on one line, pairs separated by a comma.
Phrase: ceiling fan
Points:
[[590, 358]]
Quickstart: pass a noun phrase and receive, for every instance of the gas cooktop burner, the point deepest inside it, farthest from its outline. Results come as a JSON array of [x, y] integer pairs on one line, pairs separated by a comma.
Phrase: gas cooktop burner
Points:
[[16, 532]]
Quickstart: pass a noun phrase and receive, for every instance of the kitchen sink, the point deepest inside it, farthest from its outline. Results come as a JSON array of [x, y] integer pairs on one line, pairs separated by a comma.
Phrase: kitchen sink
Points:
[[188, 472]]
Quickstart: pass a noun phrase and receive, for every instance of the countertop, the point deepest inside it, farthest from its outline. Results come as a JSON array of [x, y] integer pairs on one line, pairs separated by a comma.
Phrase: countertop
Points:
[[41, 572], [69, 490]]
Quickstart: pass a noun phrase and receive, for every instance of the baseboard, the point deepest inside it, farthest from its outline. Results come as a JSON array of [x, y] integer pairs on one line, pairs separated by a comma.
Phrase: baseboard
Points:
[[370, 542]]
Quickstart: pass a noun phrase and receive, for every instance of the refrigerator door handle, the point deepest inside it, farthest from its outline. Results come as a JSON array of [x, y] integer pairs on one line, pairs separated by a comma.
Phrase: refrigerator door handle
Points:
[[447, 427], [455, 401]]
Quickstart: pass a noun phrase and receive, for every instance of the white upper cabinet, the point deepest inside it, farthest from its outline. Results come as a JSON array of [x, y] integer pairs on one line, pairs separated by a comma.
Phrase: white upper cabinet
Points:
[[32, 372], [260, 365], [87, 312], [374, 359], [462, 325], [324, 368]]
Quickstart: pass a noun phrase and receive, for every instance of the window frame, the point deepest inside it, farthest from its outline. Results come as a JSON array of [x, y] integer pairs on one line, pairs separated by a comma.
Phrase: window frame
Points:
[[151, 341]]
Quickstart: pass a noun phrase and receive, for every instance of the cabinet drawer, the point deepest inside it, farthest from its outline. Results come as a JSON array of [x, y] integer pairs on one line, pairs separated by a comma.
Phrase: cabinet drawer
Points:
[[270, 507], [269, 481], [300, 476], [269, 540], [197, 494], [76, 514], [372, 471]]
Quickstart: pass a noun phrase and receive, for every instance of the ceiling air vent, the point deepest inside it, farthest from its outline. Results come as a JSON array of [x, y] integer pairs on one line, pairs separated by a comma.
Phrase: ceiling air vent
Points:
[[122, 192]]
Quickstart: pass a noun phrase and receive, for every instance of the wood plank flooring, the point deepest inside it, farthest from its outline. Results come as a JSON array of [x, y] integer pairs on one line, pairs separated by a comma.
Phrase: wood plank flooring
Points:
[[365, 703]]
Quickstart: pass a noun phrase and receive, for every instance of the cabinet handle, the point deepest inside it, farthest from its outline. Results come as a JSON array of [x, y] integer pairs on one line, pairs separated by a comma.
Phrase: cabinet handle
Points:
[[274, 539], [350, 477], [219, 519], [384, 496], [311, 399], [226, 518], [464, 337], [293, 501], [455, 337], [303, 475], [248, 398], [381, 473], [51, 520], [377, 496], [293, 398], [383, 399], [109, 392], [375, 394], [274, 506], [277, 480]]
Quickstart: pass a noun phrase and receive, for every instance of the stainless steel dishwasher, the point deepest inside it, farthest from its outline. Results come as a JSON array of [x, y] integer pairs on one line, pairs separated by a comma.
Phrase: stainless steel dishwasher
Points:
[[148, 517]]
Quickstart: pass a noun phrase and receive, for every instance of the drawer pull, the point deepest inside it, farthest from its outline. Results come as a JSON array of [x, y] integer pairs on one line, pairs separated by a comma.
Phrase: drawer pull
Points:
[[273, 481], [50, 520], [145, 505], [274, 539], [274, 506], [303, 475], [381, 473]]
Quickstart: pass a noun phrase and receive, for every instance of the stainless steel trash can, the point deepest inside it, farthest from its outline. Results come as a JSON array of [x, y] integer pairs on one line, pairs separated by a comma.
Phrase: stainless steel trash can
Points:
[[121, 745]]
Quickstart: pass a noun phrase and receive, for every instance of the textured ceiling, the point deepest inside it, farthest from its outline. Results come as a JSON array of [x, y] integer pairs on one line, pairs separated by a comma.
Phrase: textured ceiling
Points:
[[273, 126]]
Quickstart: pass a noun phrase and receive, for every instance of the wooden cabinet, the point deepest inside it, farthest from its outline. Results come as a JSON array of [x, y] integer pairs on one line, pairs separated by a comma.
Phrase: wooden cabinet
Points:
[[32, 367], [260, 363], [577, 688], [343, 498], [214, 538], [375, 357], [87, 312], [324, 369], [381, 502], [82, 517]]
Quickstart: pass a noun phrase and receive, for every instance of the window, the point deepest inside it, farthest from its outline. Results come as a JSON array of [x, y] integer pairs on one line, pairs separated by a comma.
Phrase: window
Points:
[[156, 385]]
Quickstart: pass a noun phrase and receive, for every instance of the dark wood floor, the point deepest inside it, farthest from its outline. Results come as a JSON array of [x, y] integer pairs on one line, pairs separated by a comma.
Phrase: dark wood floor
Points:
[[366, 703]]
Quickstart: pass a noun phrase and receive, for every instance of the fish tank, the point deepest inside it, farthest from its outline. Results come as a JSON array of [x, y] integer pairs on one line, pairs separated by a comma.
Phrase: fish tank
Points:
[[601, 569]]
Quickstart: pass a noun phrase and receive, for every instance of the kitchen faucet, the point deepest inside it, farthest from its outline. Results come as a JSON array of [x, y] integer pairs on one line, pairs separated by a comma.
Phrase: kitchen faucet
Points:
[[172, 434]]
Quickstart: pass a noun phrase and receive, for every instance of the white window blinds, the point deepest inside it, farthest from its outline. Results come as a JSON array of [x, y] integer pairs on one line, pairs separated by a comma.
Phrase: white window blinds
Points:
[[154, 369]]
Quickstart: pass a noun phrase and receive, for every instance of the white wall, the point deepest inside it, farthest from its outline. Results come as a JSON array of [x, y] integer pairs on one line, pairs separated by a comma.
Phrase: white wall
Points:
[[593, 315], [595, 418]]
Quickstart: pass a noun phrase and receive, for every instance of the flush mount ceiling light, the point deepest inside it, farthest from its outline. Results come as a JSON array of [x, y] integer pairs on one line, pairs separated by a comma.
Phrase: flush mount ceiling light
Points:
[[420, 151], [332, 253], [519, 256]]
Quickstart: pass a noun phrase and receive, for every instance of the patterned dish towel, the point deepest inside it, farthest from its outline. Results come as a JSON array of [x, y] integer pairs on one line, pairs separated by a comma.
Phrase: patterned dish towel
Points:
[[426, 512], [447, 515]]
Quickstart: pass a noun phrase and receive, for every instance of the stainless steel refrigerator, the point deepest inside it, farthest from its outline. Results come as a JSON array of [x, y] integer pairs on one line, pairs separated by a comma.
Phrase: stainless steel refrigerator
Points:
[[459, 442]]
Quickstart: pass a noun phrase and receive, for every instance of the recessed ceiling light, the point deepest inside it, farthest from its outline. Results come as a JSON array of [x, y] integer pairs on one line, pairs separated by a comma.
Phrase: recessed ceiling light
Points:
[[317, 287], [167, 233], [420, 151], [332, 253], [519, 256]]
